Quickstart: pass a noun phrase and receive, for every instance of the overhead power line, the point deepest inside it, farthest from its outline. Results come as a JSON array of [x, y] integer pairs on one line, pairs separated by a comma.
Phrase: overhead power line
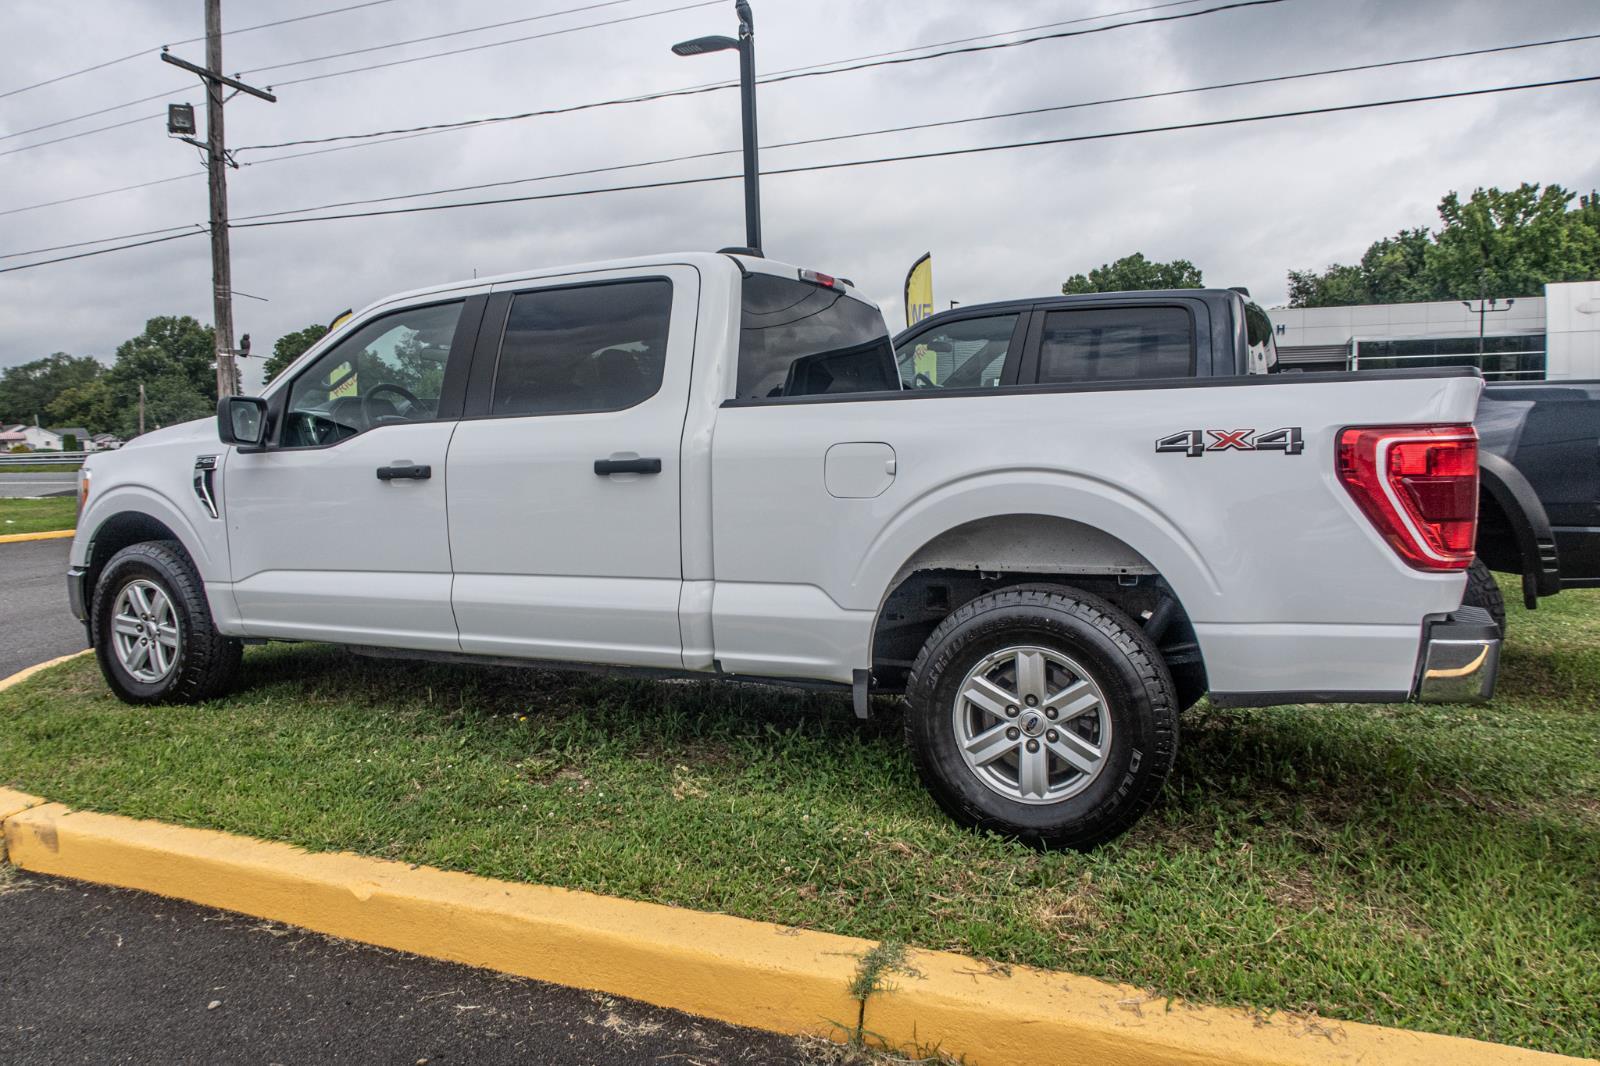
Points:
[[435, 36], [948, 152], [184, 90], [854, 163], [191, 40], [1077, 105], [768, 80], [104, 240]]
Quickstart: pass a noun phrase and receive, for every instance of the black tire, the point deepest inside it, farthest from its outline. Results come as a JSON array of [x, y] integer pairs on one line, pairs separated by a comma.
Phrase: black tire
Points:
[[1483, 591], [1140, 703], [206, 662]]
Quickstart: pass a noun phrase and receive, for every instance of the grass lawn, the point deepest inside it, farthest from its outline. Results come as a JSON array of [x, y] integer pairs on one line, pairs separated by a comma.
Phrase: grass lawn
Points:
[[42, 468], [38, 516], [1430, 867]]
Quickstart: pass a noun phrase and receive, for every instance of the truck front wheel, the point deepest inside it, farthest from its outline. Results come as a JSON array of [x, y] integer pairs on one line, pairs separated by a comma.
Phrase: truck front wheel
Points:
[[1045, 715], [153, 634]]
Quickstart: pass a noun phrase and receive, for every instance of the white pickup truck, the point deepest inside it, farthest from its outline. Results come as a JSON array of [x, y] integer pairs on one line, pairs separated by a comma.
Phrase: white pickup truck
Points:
[[706, 465]]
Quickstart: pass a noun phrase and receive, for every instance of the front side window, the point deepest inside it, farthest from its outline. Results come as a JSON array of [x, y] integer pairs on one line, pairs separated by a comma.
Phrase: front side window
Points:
[[388, 371], [800, 339], [970, 354], [1116, 344], [583, 348]]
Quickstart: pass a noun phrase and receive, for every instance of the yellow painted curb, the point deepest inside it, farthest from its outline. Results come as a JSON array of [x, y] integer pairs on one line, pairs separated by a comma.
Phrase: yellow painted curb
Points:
[[53, 534], [749, 973], [23, 675]]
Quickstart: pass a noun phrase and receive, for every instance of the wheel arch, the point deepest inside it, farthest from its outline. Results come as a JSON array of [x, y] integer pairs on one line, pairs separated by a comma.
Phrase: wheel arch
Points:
[[1512, 508], [997, 551], [125, 516]]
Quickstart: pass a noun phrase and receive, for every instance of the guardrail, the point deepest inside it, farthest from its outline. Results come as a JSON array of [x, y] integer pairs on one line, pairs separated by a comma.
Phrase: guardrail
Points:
[[42, 459]]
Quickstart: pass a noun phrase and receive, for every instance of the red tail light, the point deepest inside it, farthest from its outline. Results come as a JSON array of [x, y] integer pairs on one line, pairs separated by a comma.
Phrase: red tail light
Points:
[[1419, 487]]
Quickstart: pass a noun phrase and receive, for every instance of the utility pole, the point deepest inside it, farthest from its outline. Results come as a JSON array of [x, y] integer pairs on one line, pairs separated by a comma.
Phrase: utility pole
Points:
[[141, 408], [217, 164]]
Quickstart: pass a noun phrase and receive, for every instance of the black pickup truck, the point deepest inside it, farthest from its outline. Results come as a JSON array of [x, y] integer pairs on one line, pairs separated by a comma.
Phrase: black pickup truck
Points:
[[1539, 452]]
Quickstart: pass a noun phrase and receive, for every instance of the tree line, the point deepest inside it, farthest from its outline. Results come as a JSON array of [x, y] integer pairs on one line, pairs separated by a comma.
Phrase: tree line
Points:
[[1496, 243], [172, 358]]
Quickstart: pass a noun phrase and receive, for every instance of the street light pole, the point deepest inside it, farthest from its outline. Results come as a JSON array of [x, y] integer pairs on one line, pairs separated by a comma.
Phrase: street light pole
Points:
[[745, 45], [747, 103]]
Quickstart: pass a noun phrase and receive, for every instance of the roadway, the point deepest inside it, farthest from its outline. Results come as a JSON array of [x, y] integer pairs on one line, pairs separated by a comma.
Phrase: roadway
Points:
[[102, 975], [34, 484], [35, 623]]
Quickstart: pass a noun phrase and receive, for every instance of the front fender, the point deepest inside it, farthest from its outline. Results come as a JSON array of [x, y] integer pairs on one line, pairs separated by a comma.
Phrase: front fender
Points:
[[209, 553]]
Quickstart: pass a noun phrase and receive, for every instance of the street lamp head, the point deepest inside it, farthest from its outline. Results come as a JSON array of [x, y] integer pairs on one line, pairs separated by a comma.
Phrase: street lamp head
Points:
[[702, 45]]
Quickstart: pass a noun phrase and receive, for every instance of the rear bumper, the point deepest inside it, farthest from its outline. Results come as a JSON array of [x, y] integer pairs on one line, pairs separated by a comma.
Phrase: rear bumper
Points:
[[1460, 658]]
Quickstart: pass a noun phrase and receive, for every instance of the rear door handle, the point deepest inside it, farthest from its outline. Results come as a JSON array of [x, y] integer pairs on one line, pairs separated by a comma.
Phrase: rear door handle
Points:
[[607, 467], [405, 472]]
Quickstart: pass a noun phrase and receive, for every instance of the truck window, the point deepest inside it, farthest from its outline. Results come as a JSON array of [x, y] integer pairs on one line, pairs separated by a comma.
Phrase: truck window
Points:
[[1116, 344], [389, 370], [969, 354], [583, 348], [800, 339]]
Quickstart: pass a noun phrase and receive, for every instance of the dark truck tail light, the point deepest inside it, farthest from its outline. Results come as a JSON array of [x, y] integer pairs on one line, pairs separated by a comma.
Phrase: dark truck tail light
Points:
[[1419, 486]]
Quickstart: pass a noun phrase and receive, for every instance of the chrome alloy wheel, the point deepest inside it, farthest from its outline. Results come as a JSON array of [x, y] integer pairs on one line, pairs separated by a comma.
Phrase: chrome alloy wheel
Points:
[[144, 631], [1032, 725]]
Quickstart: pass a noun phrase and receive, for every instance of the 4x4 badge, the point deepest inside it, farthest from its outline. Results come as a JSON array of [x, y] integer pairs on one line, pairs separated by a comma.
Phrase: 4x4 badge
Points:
[[1194, 442]]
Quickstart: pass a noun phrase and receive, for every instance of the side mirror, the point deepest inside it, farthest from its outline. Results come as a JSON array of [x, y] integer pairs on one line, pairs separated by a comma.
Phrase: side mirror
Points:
[[242, 421]]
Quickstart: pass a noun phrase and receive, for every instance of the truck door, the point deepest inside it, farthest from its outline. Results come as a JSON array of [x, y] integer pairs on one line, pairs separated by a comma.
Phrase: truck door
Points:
[[564, 473], [336, 531]]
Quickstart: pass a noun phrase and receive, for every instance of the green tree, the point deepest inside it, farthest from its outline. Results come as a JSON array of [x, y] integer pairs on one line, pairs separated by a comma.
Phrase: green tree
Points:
[[1135, 273], [31, 390], [173, 359], [290, 347], [1494, 243]]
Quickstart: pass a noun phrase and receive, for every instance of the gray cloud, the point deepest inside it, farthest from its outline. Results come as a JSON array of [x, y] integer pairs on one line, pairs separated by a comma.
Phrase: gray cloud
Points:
[[1246, 203]]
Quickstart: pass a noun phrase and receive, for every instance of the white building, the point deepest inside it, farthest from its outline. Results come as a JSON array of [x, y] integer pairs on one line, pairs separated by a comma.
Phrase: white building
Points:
[[36, 438], [1535, 338]]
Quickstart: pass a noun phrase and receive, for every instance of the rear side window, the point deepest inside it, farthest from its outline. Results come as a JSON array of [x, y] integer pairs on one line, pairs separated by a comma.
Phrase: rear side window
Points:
[[1116, 344], [799, 339], [584, 348]]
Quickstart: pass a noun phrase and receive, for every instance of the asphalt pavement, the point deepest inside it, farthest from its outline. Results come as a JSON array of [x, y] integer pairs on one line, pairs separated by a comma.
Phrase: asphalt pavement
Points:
[[35, 622], [26, 484], [99, 975]]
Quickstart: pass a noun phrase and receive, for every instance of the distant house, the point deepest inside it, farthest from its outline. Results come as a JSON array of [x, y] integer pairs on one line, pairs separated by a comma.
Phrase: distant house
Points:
[[36, 438], [83, 439], [105, 442], [10, 437]]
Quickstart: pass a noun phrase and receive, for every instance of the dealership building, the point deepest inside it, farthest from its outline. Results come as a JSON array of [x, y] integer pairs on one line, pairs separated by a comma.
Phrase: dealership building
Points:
[[1551, 337]]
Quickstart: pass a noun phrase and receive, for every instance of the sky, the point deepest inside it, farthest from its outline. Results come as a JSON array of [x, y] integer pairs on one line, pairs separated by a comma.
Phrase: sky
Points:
[[1246, 203]]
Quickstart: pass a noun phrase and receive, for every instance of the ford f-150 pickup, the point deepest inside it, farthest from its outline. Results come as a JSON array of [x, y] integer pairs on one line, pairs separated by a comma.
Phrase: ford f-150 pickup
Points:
[[706, 465]]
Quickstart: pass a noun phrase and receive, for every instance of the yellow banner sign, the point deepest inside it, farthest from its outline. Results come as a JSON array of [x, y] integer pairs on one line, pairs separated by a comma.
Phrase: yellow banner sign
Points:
[[919, 290]]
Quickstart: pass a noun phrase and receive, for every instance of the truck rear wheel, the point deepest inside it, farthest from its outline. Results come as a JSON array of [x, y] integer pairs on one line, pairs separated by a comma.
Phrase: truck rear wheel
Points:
[[1483, 591], [153, 634], [1042, 714]]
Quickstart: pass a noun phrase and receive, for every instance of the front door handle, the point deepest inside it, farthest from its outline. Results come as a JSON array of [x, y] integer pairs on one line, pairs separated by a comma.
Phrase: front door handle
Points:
[[607, 467], [405, 472]]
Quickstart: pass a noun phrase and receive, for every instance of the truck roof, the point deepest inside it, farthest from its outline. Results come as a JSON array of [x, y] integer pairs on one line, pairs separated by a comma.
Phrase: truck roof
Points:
[[1142, 295], [706, 261]]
